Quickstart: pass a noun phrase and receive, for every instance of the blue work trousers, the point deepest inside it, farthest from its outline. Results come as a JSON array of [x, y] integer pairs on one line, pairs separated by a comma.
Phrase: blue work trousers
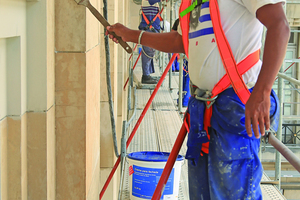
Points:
[[232, 170], [147, 63]]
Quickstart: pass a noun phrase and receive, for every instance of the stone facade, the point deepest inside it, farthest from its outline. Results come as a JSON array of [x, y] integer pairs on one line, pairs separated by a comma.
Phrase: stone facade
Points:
[[53, 99]]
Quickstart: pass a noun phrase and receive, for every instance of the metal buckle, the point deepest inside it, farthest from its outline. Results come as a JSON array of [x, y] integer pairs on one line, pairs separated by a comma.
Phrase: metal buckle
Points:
[[207, 99], [211, 103], [205, 96], [202, 95]]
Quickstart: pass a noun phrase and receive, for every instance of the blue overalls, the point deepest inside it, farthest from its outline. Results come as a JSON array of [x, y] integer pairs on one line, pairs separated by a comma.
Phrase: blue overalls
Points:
[[232, 169]]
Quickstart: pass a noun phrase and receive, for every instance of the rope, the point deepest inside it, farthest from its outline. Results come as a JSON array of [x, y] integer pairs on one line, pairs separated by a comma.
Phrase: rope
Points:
[[147, 54]]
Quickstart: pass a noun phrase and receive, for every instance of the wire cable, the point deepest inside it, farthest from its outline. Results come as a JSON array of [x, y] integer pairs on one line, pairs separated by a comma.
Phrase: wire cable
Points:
[[108, 81]]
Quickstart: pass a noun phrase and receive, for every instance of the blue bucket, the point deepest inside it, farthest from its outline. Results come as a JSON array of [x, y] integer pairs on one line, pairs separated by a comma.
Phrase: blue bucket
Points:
[[145, 169]]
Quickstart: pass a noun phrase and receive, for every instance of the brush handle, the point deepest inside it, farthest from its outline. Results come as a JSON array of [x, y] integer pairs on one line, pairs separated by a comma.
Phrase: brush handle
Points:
[[103, 21]]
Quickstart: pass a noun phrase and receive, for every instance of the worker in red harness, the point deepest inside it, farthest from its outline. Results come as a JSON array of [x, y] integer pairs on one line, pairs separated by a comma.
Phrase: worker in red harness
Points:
[[233, 102], [150, 21]]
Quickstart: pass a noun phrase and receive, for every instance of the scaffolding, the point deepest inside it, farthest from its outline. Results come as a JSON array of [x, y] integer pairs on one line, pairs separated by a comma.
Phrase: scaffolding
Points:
[[281, 125], [282, 78]]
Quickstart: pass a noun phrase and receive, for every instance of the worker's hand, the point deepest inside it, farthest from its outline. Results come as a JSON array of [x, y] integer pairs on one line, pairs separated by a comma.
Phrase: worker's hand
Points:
[[257, 113], [120, 30]]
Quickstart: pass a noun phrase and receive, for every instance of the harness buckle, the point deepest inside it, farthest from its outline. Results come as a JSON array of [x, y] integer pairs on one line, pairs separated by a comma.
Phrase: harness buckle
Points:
[[204, 95], [210, 103]]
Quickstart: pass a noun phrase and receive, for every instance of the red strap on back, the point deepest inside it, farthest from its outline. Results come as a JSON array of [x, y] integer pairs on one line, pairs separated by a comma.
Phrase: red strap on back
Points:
[[146, 19], [156, 16]]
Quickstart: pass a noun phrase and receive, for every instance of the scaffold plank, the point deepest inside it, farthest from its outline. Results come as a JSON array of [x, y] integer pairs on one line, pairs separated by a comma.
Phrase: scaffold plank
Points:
[[143, 96], [163, 100], [270, 192], [145, 138]]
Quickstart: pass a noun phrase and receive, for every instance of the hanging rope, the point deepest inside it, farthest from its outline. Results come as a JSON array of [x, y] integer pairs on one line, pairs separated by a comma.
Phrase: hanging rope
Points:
[[108, 81]]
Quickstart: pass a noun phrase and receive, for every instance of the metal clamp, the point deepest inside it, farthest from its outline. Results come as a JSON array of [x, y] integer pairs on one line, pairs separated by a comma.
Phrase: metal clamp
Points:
[[264, 139], [208, 101], [204, 95]]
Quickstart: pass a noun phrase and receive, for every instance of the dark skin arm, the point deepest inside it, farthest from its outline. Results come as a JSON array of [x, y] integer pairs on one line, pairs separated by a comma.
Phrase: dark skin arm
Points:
[[170, 42], [258, 105]]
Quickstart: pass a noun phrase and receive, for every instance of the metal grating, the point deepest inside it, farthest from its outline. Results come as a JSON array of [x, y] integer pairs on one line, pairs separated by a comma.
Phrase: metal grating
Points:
[[125, 195], [143, 96], [270, 192], [163, 100], [174, 80], [168, 124], [145, 138]]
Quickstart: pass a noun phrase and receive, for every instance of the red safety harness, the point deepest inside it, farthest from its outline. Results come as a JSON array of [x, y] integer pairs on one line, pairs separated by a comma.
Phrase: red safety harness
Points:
[[234, 71], [154, 18]]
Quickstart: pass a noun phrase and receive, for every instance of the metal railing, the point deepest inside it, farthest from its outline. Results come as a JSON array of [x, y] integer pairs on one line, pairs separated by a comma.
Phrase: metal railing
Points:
[[281, 83], [290, 132]]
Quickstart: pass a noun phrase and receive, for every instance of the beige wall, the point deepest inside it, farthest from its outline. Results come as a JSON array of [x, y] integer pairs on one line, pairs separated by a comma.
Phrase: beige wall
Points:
[[77, 91], [27, 80], [13, 57], [293, 14], [48, 108], [53, 99], [3, 84]]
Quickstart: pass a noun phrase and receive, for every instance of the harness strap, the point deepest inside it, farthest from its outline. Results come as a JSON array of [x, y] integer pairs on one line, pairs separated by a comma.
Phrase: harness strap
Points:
[[233, 72], [184, 25], [149, 24], [242, 68], [206, 122], [223, 84], [227, 57]]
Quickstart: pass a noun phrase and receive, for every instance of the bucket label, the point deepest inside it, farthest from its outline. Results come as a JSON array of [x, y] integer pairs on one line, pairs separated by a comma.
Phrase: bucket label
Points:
[[145, 180]]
